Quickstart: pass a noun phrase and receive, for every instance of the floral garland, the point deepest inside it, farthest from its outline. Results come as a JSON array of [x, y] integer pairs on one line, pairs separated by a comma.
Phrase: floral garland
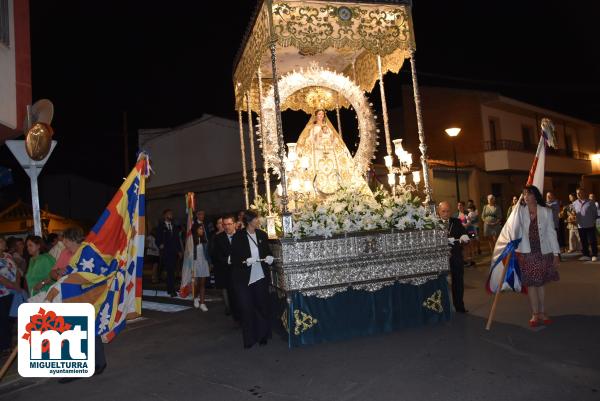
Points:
[[351, 211]]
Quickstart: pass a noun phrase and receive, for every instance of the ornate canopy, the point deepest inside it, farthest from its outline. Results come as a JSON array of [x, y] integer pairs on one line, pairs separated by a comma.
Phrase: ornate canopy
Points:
[[342, 36]]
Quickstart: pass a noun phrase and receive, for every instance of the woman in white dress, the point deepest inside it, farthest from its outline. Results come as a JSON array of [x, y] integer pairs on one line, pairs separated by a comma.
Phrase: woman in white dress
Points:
[[201, 265]]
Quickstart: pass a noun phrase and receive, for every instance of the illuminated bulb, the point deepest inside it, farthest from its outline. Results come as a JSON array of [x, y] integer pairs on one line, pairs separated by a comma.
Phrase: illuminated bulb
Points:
[[416, 177], [402, 179], [452, 131], [279, 189], [307, 186], [389, 161], [391, 179], [399, 150]]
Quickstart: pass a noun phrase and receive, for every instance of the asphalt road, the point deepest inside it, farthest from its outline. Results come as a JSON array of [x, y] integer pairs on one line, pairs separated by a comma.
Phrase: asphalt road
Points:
[[190, 355]]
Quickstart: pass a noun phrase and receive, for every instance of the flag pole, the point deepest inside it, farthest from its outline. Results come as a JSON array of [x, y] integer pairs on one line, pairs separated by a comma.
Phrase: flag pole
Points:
[[496, 298], [8, 362], [191, 204], [504, 270]]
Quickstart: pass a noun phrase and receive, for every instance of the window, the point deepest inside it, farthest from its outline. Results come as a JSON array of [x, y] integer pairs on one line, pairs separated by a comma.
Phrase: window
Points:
[[569, 145], [494, 128], [4, 23], [497, 190], [527, 135]]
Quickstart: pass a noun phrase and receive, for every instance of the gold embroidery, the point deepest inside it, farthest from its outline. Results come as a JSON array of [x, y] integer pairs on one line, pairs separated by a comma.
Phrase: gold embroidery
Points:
[[303, 322], [336, 35], [284, 320], [434, 302]]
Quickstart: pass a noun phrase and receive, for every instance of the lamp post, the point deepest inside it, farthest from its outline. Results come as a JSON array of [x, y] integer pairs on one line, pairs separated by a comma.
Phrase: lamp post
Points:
[[453, 133]]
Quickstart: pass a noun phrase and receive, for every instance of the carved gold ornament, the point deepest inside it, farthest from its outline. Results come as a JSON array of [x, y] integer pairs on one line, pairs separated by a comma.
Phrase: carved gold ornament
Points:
[[316, 76], [314, 27], [343, 36]]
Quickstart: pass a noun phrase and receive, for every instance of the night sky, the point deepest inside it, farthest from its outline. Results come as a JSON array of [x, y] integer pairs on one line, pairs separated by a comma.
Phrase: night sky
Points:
[[166, 63]]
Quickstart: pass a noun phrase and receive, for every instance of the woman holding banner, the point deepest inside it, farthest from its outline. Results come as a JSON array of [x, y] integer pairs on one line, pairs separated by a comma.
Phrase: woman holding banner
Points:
[[538, 252]]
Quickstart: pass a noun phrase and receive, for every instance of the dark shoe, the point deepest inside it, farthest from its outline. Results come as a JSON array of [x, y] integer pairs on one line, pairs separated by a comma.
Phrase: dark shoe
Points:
[[262, 342], [227, 312], [248, 346], [173, 294], [99, 370], [462, 310]]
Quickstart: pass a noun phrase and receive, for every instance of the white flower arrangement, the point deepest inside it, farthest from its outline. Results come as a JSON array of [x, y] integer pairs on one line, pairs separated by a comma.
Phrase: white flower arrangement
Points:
[[351, 211]]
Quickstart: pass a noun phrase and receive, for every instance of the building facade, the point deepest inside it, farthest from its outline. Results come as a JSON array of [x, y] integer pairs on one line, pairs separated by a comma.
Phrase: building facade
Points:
[[15, 67], [496, 145], [202, 156]]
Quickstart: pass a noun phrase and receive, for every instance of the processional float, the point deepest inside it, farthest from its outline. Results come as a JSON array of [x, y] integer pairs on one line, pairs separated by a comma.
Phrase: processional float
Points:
[[340, 247]]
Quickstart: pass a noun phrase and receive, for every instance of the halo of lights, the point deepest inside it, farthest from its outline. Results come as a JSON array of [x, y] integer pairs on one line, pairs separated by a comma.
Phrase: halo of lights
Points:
[[316, 76]]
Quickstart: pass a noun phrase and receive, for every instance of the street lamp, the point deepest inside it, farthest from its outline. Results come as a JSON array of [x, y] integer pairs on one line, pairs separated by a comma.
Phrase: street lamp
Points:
[[453, 133]]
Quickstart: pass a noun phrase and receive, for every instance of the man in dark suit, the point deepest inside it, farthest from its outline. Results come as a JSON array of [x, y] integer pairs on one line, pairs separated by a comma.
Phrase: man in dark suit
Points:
[[456, 236], [168, 240], [251, 276], [222, 260]]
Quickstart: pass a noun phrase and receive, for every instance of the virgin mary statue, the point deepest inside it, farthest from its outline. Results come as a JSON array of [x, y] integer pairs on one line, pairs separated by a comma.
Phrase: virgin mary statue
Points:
[[324, 163]]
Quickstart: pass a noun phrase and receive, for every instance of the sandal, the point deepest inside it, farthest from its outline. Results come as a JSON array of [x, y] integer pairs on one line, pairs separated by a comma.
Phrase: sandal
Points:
[[546, 320], [534, 321]]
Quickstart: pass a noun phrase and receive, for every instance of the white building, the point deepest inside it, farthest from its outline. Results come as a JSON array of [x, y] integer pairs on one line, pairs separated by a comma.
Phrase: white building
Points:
[[202, 156]]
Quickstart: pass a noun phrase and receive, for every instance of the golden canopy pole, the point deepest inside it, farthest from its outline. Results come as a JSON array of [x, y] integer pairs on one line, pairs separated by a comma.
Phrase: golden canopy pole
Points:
[[252, 153], [267, 177], [243, 148], [287, 217], [422, 147], [386, 125]]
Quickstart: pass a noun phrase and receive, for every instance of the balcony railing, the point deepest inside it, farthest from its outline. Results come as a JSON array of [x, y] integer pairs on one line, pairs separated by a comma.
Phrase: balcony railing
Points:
[[506, 144]]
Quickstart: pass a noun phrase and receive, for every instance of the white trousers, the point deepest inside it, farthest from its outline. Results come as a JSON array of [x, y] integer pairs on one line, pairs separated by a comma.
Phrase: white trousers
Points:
[[574, 241]]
